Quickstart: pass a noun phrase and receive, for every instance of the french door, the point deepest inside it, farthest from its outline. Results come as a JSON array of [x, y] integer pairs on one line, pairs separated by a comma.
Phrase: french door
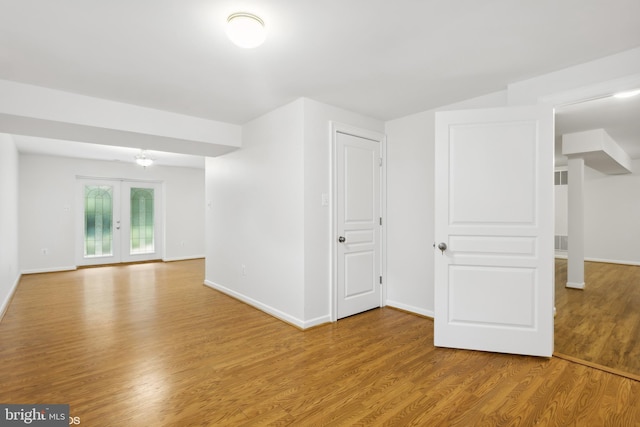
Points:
[[118, 221]]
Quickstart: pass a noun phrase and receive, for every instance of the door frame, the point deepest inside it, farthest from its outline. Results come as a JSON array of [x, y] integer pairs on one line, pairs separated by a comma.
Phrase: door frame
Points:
[[335, 128], [80, 181]]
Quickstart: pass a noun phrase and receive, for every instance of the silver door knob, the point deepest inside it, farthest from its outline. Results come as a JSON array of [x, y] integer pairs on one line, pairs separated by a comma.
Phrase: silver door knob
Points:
[[442, 246], [341, 239]]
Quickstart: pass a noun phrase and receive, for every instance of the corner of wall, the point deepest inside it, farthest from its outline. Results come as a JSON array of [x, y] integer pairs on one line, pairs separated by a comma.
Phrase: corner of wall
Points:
[[9, 260], [7, 300]]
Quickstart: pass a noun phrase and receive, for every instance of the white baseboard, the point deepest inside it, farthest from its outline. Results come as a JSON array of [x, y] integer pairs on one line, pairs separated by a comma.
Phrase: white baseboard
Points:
[[604, 260], [575, 285], [613, 261], [317, 321], [182, 258], [49, 270], [412, 309], [263, 307], [7, 300]]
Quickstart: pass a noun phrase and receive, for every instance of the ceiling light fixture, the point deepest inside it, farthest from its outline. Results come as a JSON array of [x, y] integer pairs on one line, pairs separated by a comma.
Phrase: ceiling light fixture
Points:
[[143, 160], [246, 30], [627, 94]]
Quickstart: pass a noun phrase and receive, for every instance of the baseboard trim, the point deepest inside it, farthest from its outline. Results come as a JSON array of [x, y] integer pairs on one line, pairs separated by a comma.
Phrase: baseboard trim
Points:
[[182, 258], [411, 309], [7, 301], [49, 270], [612, 261], [318, 321], [574, 285], [280, 315], [603, 260]]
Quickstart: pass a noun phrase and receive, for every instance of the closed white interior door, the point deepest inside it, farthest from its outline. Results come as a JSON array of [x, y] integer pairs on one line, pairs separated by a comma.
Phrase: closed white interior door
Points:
[[358, 224], [494, 228], [119, 221]]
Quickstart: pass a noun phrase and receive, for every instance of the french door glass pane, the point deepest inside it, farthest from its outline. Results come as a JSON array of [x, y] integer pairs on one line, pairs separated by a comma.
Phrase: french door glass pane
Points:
[[142, 225], [98, 220]]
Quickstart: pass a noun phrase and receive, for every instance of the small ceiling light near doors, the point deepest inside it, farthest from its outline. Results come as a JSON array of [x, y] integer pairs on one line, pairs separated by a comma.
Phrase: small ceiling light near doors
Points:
[[143, 160], [627, 94], [246, 30]]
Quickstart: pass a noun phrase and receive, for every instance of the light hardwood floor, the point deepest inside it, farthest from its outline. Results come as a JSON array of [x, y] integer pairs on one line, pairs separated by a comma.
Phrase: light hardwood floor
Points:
[[600, 324], [149, 345]]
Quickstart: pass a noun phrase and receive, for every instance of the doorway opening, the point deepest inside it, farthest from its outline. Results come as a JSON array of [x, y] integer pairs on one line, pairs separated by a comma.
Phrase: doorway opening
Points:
[[597, 324]]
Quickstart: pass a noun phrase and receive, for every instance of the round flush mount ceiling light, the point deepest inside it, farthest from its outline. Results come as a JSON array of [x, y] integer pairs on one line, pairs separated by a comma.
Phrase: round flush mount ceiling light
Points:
[[246, 30], [627, 94]]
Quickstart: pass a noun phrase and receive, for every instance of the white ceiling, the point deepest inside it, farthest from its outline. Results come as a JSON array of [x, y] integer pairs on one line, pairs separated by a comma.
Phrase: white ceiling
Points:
[[381, 58]]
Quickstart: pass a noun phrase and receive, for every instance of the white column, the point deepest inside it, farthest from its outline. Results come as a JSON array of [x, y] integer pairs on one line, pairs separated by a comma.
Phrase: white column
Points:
[[575, 264]]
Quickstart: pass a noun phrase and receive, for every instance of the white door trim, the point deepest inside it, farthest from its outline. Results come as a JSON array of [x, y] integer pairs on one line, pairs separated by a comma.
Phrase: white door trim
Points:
[[335, 128]]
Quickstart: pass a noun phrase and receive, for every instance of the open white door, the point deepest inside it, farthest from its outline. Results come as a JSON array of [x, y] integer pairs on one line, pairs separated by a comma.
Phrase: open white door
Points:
[[494, 286]]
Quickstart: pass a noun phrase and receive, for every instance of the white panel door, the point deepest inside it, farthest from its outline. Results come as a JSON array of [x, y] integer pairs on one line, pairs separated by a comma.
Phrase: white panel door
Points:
[[358, 224], [494, 270]]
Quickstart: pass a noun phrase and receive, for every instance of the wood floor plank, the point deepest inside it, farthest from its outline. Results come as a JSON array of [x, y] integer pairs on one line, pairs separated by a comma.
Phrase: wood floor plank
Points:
[[148, 344], [600, 324]]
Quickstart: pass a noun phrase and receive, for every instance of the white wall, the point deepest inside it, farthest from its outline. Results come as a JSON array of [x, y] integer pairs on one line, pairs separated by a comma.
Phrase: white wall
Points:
[[410, 212], [410, 205], [611, 216], [9, 265], [47, 206], [611, 212], [561, 210], [264, 211], [255, 216]]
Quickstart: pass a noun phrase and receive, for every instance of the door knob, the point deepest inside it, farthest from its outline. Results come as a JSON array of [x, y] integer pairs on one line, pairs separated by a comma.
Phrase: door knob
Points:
[[341, 239], [442, 246]]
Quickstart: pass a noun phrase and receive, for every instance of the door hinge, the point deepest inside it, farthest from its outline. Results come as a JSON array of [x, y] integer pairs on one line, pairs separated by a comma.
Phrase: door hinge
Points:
[[381, 280], [380, 220], [380, 161]]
